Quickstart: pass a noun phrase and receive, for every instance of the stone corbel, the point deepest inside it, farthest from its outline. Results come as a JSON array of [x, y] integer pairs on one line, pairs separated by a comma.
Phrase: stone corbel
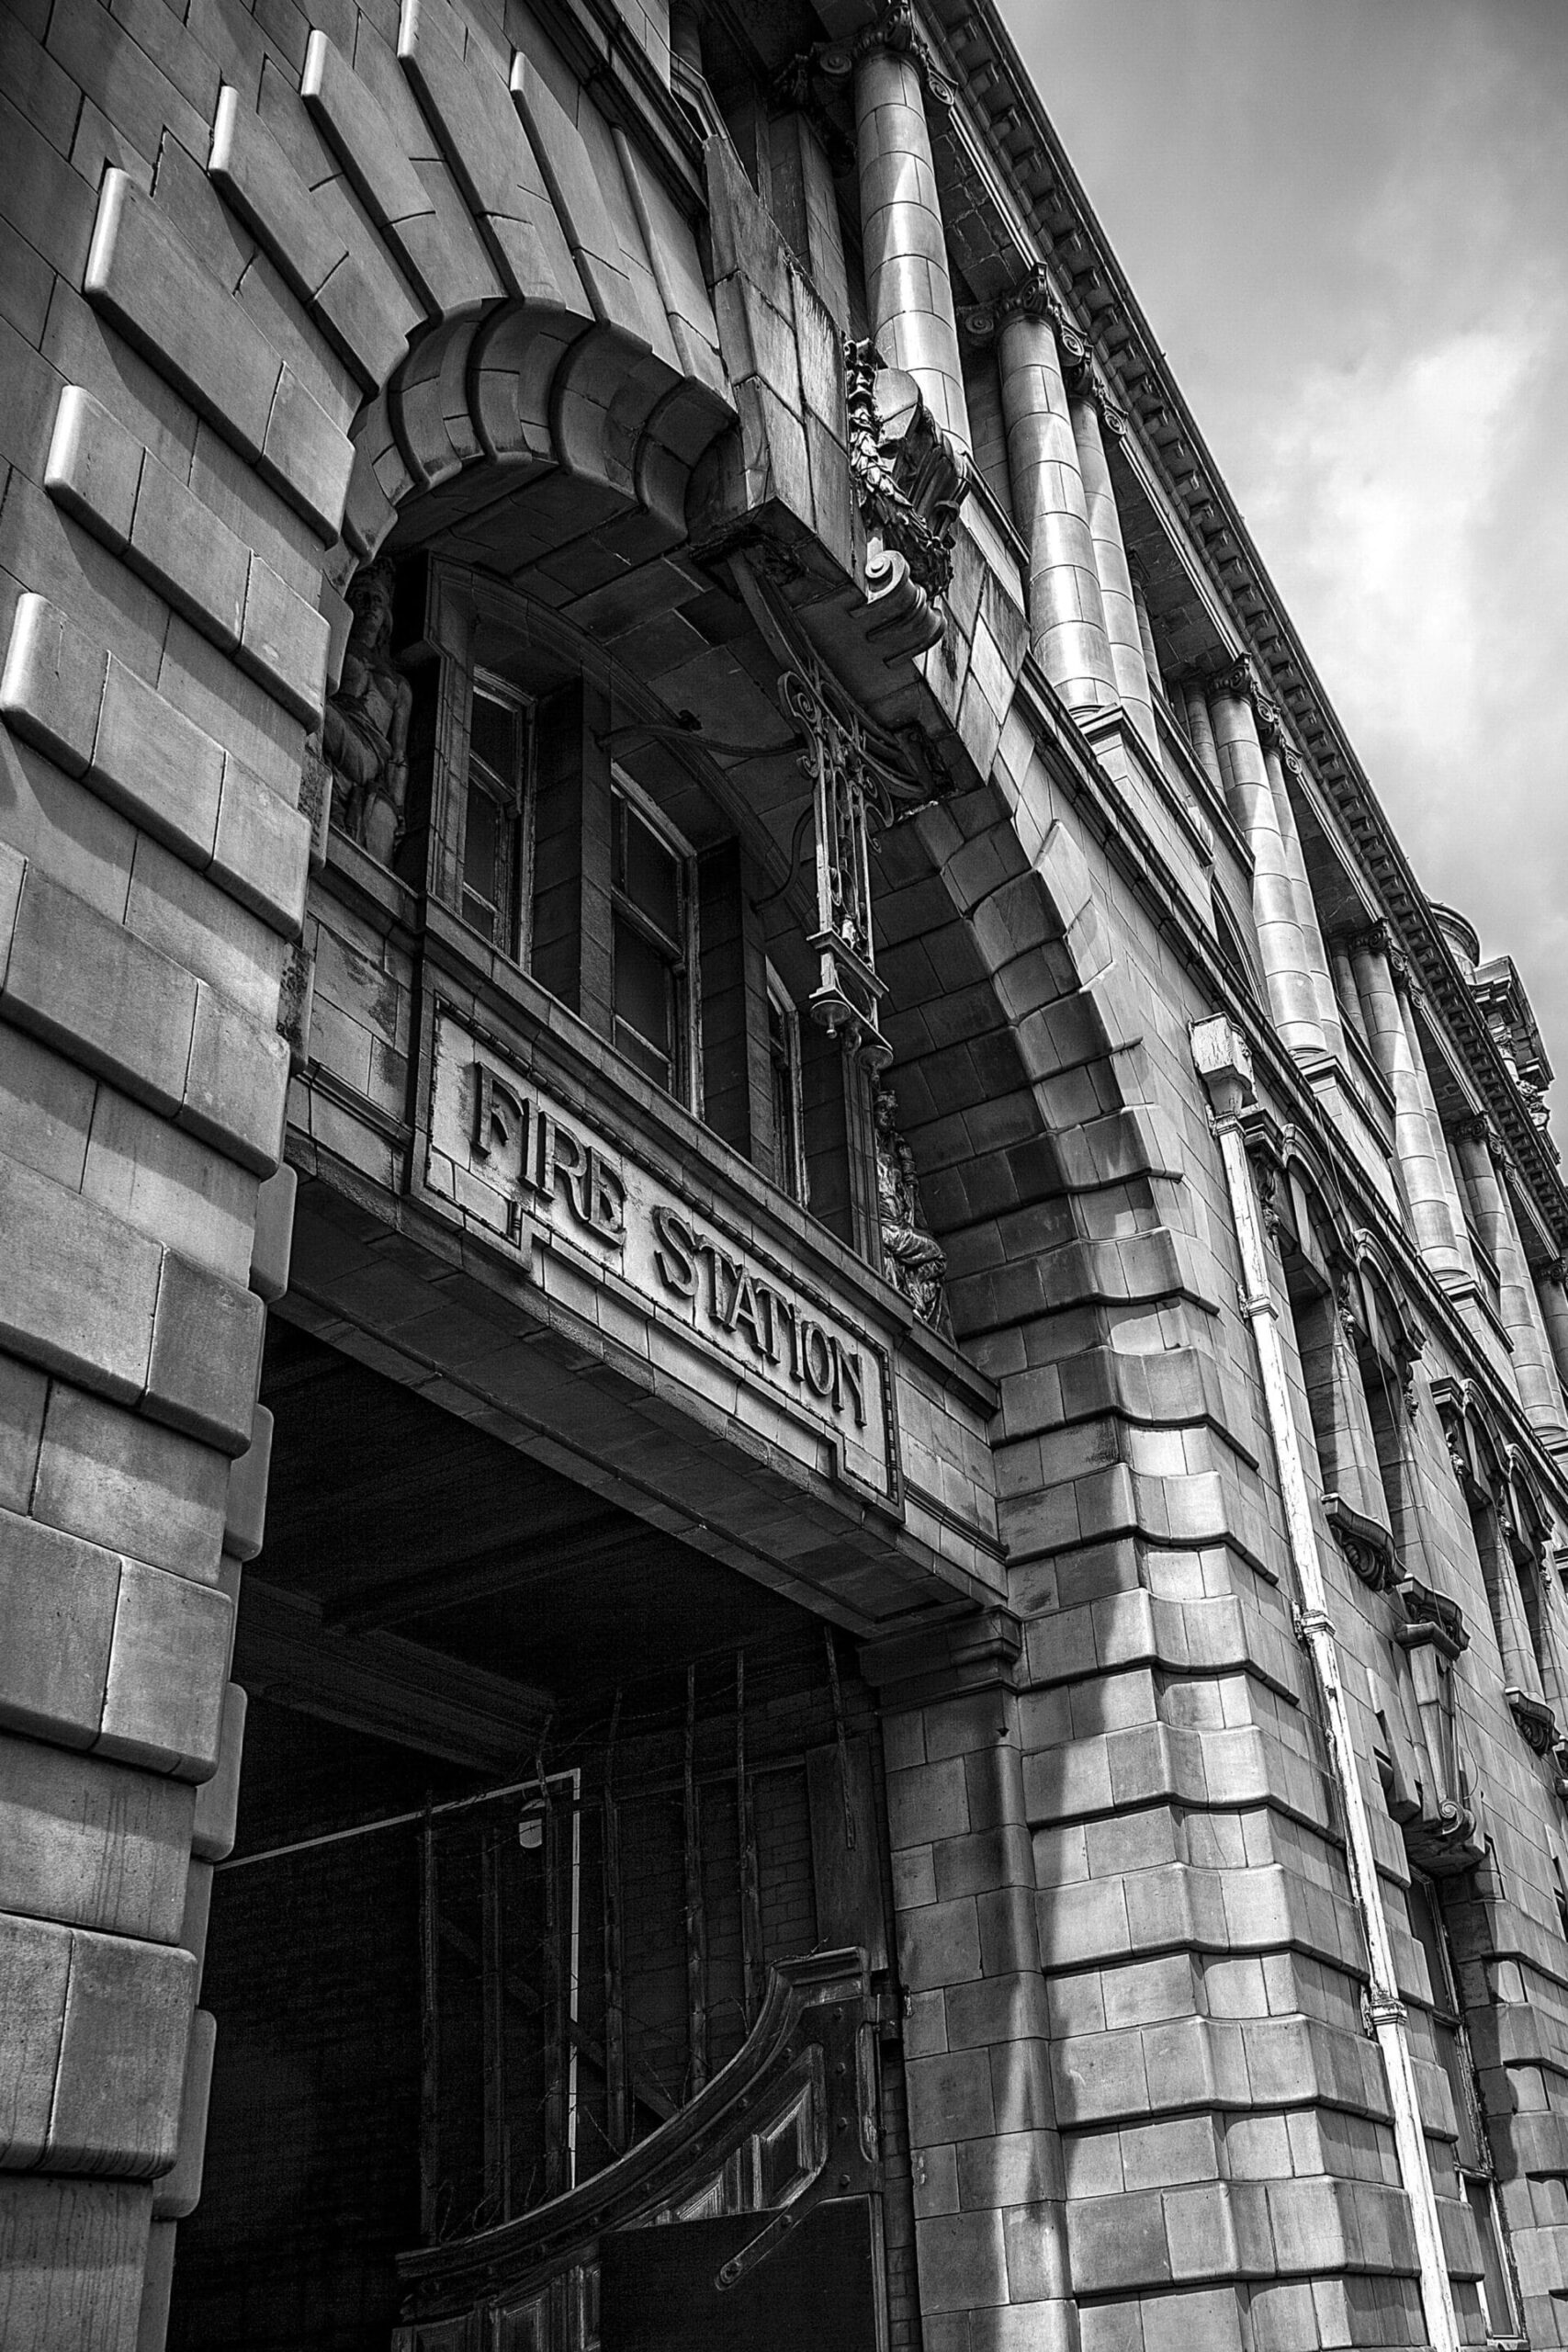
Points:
[[1367, 1548], [1442, 1835], [1535, 1719]]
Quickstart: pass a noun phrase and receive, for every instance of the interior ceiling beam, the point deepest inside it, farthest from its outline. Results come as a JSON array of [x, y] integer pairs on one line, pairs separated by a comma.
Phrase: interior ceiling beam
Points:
[[486, 1575], [381, 1683]]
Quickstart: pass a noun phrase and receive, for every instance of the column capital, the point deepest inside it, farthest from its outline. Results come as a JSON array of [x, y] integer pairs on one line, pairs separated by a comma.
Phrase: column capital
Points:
[[1034, 296], [1239, 680], [895, 31], [1479, 1127]]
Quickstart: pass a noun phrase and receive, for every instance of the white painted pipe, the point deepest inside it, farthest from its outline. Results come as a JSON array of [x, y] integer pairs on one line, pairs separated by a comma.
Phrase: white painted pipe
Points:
[[1224, 1063]]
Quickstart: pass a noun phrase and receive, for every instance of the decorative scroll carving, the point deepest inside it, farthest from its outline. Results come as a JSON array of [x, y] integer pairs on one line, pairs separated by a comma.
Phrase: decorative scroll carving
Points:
[[895, 29], [914, 1261], [1535, 1720], [788, 2128], [1367, 1549], [1440, 1830], [911, 479], [366, 728], [850, 790]]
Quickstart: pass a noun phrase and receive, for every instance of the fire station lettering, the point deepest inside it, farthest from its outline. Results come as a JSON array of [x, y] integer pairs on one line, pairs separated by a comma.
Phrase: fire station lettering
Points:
[[525, 1166]]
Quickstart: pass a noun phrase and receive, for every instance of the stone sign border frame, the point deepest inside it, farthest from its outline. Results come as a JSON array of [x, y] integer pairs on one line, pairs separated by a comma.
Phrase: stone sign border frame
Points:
[[580, 1090]]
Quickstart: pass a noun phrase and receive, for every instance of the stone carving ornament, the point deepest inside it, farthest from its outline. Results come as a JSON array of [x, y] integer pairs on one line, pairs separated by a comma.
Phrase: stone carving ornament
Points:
[[914, 1261], [366, 728], [910, 479]]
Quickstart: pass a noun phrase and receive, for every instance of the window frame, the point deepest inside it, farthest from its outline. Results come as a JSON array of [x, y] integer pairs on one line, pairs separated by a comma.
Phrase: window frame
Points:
[[687, 1073], [1476, 2181], [791, 1173], [518, 826]]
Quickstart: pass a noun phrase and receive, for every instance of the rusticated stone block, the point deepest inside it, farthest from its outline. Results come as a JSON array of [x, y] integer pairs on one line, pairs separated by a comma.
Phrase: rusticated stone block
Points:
[[950, 2097], [52, 683], [1118, 2242], [58, 1599], [94, 466], [179, 2193], [35, 1968], [91, 1843], [206, 1359], [23, 1393], [236, 1084], [1010, 2169], [274, 1234], [118, 1480], [78, 1289], [70, 2262], [142, 275], [962, 2261], [245, 1522], [261, 853], [163, 1693], [150, 762], [283, 641], [939, 1945], [127, 2012], [218, 1800], [927, 1803], [88, 985]]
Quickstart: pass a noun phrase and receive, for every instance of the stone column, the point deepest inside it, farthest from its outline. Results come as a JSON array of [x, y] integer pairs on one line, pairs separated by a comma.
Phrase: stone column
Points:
[[1087, 408], [1146, 630], [1552, 1295], [1425, 1175], [990, 2227], [1279, 758], [1200, 728], [1344, 970], [1066, 613], [1518, 1309], [1292, 996], [907, 286]]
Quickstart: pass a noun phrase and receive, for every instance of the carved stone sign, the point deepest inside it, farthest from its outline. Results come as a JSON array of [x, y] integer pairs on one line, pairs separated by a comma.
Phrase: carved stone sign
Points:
[[524, 1166]]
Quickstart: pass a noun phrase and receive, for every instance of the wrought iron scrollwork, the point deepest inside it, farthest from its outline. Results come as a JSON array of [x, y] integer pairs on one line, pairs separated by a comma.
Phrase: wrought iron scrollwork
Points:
[[849, 788]]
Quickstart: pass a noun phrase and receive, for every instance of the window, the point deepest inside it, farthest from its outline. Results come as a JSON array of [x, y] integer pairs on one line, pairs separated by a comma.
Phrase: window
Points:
[[783, 1059], [653, 999], [499, 749], [1472, 2157]]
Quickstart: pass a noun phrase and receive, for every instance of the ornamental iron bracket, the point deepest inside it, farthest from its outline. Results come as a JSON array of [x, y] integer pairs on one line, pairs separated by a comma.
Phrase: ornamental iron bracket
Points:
[[850, 790]]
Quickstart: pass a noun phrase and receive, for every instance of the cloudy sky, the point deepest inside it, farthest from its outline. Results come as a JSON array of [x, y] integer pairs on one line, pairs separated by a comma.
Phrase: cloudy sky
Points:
[[1347, 222]]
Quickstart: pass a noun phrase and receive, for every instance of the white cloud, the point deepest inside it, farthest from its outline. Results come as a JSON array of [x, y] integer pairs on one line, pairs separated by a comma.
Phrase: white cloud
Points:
[[1371, 498]]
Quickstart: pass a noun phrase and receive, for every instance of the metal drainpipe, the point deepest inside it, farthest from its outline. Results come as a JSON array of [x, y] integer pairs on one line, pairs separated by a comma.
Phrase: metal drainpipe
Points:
[[1224, 1062]]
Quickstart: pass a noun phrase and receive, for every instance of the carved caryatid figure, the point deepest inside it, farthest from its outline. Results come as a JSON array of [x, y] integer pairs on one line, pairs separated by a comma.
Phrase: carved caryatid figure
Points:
[[914, 1261], [367, 729]]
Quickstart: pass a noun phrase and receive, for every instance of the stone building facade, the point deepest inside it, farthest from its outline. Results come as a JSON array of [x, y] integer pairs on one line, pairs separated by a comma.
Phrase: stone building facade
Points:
[[784, 1472]]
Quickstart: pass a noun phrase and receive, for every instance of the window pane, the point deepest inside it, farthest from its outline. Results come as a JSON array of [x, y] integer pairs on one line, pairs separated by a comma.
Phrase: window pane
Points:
[[1500, 2315], [645, 1006], [482, 847], [650, 876], [1452, 2061], [493, 735]]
